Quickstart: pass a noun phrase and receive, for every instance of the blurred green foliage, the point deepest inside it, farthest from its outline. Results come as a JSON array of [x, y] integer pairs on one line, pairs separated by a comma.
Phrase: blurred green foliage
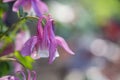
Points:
[[3, 8], [102, 9], [4, 68]]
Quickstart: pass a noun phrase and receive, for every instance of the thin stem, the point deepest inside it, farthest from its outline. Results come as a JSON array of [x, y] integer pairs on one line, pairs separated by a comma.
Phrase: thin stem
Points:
[[9, 57], [15, 27]]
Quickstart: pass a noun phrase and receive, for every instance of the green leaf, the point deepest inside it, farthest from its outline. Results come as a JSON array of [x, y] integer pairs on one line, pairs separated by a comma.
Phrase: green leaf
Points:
[[25, 61], [3, 8], [4, 68]]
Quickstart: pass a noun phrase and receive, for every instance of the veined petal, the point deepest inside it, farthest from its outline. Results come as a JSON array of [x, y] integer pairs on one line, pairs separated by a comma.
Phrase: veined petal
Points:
[[29, 46], [17, 4], [61, 42], [39, 7], [8, 0]]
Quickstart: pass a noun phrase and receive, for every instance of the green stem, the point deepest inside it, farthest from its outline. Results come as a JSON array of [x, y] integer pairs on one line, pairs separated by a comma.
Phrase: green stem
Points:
[[9, 57], [15, 26]]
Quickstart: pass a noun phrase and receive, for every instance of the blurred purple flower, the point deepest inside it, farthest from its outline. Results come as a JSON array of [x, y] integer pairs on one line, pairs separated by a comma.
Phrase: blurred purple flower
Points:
[[17, 67], [21, 38], [9, 77], [38, 6], [45, 41], [31, 75]]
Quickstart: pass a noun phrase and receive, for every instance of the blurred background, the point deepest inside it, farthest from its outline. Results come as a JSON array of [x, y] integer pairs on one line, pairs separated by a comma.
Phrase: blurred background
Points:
[[92, 30]]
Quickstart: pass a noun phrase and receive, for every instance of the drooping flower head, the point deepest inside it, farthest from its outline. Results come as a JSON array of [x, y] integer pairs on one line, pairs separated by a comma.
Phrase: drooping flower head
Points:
[[38, 6], [45, 41]]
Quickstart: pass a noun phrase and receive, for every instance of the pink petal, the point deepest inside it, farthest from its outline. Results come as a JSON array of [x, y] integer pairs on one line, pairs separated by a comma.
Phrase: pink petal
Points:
[[39, 28], [29, 46], [21, 38], [27, 5], [17, 67], [46, 40], [51, 35], [29, 74], [39, 7], [52, 50], [34, 75], [43, 7], [50, 29], [17, 4], [61, 42], [8, 0]]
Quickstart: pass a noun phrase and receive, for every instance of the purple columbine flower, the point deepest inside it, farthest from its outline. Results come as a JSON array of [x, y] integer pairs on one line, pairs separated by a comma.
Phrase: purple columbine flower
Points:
[[45, 41], [38, 6]]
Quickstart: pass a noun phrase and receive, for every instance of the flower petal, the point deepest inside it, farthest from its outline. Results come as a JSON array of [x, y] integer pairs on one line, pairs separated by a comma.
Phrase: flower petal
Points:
[[43, 7], [27, 6], [8, 0], [39, 28], [39, 7], [19, 40], [34, 75], [52, 50], [46, 41], [51, 36], [61, 42], [29, 46], [17, 4]]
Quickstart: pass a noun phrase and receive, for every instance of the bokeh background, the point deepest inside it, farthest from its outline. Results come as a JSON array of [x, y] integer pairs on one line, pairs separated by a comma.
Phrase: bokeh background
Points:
[[92, 30]]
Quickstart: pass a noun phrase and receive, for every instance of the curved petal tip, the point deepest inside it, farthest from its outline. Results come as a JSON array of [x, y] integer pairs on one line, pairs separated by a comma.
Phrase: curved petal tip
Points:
[[61, 42]]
